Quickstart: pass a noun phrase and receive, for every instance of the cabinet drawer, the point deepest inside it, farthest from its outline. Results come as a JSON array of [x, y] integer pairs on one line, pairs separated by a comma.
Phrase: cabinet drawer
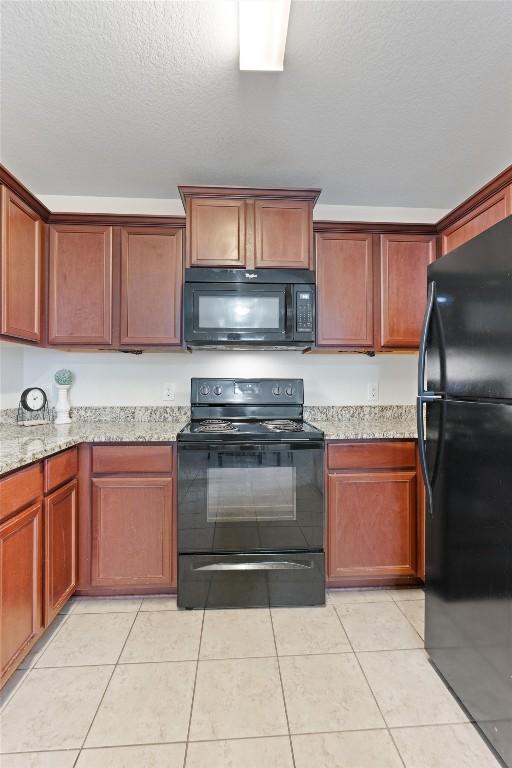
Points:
[[361, 455], [131, 458], [20, 489], [60, 468]]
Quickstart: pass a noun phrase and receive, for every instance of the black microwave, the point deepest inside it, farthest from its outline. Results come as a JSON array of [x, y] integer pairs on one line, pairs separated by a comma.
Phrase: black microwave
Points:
[[249, 308]]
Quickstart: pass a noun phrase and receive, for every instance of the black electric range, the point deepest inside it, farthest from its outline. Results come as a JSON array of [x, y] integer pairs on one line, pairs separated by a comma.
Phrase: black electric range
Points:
[[250, 497]]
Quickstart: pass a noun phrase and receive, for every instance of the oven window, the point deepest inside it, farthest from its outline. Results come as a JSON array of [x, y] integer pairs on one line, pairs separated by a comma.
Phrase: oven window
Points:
[[251, 494], [238, 312]]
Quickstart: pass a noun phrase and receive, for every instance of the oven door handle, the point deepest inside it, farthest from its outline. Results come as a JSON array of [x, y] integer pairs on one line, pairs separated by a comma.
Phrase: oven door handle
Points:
[[273, 565], [258, 446]]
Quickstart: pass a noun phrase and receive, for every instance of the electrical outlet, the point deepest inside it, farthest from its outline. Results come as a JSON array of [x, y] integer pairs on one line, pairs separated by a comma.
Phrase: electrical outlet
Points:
[[169, 391], [373, 392]]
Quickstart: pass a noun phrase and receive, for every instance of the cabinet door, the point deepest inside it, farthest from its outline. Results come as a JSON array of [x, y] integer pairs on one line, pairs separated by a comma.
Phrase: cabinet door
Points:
[[132, 531], [478, 220], [151, 282], [403, 263], [283, 233], [371, 524], [21, 269], [216, 232], [60, 520], [21, 583], [80, 298], [344, 274]]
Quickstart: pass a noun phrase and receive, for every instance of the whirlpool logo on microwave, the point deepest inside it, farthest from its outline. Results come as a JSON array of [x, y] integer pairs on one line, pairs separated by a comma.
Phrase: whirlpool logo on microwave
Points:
[[251, 275]]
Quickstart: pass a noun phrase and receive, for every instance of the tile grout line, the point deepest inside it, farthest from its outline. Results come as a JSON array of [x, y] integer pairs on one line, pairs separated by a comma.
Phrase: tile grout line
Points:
[[410, 622], [369, 686], [282, 688], [29, 670], [193, 691], [245, 738], [108, 683]]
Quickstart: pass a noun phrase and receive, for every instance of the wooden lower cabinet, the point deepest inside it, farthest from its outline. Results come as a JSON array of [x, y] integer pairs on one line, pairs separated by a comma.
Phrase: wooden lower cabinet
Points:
[[21, 585], [60, 522], [373, 509], [372, 524], [131, 532]]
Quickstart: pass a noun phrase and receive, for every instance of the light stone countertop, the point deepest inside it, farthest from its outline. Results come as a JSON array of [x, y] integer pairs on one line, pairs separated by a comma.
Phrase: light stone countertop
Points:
[[382, 429], [23, 445]]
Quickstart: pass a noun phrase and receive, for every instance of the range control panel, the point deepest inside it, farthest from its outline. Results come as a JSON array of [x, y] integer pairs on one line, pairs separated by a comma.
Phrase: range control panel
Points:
[[247, 391]]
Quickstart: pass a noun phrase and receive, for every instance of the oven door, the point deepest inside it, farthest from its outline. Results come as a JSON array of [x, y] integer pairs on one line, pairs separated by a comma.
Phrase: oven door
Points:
[[250, 497], [223, 313]]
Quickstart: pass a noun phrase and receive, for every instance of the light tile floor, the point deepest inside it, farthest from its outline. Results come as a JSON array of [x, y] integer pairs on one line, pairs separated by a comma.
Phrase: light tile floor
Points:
[[119, 683]]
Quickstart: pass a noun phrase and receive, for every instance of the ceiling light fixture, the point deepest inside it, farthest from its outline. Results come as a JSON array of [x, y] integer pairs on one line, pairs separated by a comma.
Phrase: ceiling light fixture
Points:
[[263, 29]]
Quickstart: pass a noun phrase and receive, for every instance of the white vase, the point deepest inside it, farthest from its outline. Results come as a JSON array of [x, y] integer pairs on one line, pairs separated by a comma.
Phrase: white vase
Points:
[[62, 405]]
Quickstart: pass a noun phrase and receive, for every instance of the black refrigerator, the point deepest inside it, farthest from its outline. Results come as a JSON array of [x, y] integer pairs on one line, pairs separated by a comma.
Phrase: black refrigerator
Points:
[[465, 438]]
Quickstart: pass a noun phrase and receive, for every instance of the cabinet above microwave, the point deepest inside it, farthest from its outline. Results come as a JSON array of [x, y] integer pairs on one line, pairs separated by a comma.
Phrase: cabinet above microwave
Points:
[[249, 227]]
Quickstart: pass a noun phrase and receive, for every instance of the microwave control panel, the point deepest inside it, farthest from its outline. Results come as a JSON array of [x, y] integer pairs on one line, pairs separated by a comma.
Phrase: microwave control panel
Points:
[[304, 310]]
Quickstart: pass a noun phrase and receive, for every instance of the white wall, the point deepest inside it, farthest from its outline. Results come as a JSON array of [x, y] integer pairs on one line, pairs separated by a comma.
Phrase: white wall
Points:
[[113, 378], [11, 374], [174, 207]]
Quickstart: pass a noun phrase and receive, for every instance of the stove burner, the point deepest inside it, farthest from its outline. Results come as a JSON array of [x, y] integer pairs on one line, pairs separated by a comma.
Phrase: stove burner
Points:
[[284, 425], [217, 425]]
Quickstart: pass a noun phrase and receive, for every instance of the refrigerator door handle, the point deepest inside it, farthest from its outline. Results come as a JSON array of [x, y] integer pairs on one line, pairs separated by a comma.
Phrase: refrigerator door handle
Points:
[[422, 449], [431, 297], [424, 396]]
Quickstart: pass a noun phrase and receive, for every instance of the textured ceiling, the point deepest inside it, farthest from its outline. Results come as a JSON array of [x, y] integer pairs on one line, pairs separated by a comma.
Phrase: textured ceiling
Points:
[[381, 103]]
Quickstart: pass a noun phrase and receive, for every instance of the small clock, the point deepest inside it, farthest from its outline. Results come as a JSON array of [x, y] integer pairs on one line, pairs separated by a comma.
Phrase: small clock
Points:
[[33, 399], [33, 407]]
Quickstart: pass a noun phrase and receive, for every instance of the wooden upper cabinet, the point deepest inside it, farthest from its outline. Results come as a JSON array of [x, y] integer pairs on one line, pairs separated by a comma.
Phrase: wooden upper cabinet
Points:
[[249, 227], [80, 284], [60, 548], [403, 287], [216, 232], [492, 210], [21, 268], [344, 275], [151, 283], [283, 233], [21, 585]]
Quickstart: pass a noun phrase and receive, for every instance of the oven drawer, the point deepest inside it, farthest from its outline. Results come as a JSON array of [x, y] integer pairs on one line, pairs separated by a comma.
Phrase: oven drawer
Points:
[[251, 581]]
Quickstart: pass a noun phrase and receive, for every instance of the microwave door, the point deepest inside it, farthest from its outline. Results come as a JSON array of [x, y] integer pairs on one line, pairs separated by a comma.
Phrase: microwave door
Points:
[[238, 313]]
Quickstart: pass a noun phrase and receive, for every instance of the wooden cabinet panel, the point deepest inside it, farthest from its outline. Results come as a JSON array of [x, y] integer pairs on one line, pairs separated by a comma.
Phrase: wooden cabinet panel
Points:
[[216, 232], [404, 262], [132, 531], [283, 233], [374, 455], [21, 268], [80, 294], [371, 524], [478, 220], [131, 458], [344, 273], [151, 282], [20, 488], [20, 585], [60, 468], [60, 549]]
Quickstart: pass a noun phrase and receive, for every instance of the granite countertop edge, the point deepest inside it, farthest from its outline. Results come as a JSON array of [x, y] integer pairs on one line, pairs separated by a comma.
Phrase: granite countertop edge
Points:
[[20, 446]]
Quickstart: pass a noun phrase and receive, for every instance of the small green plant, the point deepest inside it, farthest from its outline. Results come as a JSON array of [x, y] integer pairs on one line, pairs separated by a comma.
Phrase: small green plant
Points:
[[64, 376]]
